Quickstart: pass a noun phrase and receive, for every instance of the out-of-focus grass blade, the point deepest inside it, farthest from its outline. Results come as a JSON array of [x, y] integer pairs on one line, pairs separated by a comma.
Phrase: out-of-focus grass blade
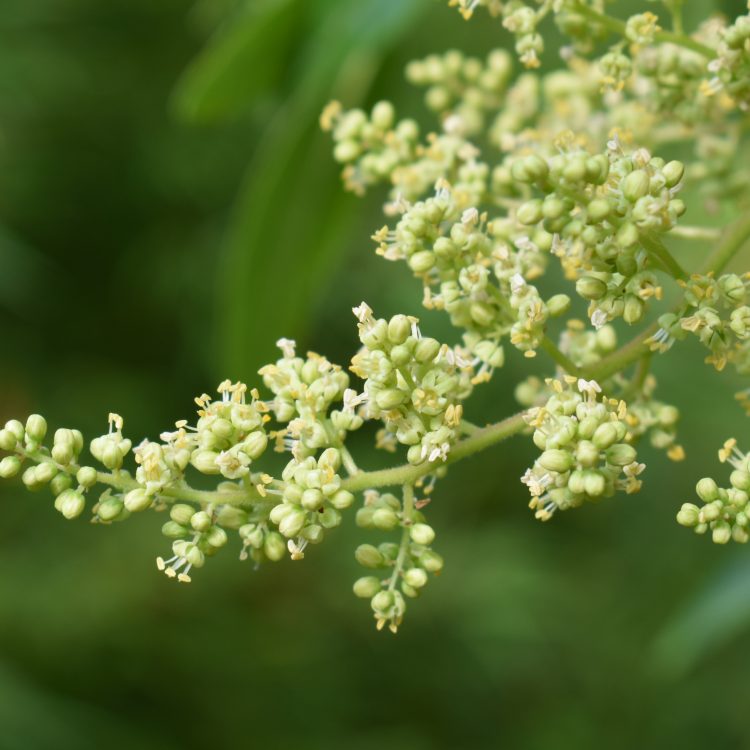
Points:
[[244, 60], [717, 613], [274, 268]]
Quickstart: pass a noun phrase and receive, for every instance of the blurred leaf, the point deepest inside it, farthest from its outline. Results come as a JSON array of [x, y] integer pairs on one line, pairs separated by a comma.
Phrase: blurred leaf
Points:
[[293, 167], [718, 612], [242, 61]]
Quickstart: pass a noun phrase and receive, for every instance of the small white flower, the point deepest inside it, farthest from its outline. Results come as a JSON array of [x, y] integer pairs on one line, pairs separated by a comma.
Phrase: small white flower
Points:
[[287, 347], [589, 387], [599, 319], [470, 217], [517, 283], [363, 312]]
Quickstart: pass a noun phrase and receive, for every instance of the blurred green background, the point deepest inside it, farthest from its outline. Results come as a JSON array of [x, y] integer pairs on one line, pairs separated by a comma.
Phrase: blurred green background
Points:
[[167, 210]]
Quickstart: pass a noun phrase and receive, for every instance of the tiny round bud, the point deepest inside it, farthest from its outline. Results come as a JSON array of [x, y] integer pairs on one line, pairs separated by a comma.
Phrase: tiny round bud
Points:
[[385, 519], [274, 546], [312, 499], [621, 454], [422, 534], [217, 537], [8, 441], [9, 467], [16, 429], [688, 515], [291, 524], [556, 460], [431, 561], [416, 577], [45, 472], [200, 521], [181, 513], [722, 532], [171, 529], [71, 504], [426, 350], [590, 287], [86, 476], [673, 172], [369, 556], [137, 500], [60, 483], [707, 490], [342, 500], [366, 587], [110, 508], [36, 427], [635, 185]]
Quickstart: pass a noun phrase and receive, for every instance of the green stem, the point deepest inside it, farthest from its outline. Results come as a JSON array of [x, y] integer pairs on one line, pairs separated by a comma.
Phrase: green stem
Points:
[[617, 26], [405, 539], [549, 347], [655, 247], [408, 474]]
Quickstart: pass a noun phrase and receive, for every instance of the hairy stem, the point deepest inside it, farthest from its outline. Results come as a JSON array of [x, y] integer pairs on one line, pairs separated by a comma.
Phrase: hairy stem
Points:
[[408, 474]]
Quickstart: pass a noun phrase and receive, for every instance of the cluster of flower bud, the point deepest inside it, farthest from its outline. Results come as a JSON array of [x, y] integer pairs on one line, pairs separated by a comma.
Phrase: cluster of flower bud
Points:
[[725, 510], [196, 534], [407, 563], [414, 384], [463, 87], [586, 453], [731, 67], [312, 500], [605, 212], [477, 271], [716, 312]]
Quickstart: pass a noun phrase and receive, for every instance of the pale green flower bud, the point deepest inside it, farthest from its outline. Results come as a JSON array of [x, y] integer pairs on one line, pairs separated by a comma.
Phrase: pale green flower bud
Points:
[[312, 499], [422, 261], [426, 350], [390, 398], [9, 467], [598, 210], [137, 500], [200, 521], [740, 535], [254, 445], [421, 533], [29, 479], [558, 305], [36, 427], [722, 532], [740, 480], [342, 500], [431, 561], [707, 490], [70, 503], [329, 518], [382, 602], [621, 454], [530, 212], [181, 513], [291, 524], [712, 511], [60, 483], [594, 484], [556, 460], [369, 556], [8, 441], [205, 462], [635, 185], [366, 587], [589, 287], [86, 476], [385, 519], [416, 577], [274, 546], [109, 509], [217, 537], [62, 453], [673, 172], [688, 515], [633, 310], [15, 428], [45, 472], [604, 436], [171, 529]]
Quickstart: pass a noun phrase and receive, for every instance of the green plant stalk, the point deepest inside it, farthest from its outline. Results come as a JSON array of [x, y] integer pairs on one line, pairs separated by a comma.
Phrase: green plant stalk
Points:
[[657, 249], [618, 26], [398, 566]]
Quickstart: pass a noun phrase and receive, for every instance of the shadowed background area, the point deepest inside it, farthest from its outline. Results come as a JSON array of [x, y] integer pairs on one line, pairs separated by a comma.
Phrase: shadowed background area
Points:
[[168, 209]]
